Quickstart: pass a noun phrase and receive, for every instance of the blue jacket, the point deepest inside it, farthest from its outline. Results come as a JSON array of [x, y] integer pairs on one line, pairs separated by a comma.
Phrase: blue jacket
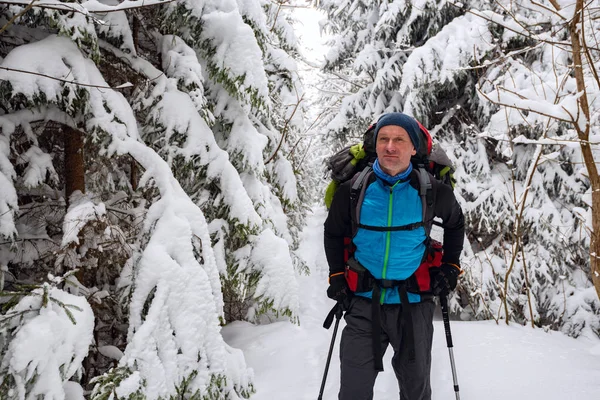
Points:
[[393, 255]]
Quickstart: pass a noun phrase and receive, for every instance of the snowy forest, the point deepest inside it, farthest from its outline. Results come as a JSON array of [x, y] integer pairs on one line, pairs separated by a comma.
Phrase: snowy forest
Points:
[[159, 158]]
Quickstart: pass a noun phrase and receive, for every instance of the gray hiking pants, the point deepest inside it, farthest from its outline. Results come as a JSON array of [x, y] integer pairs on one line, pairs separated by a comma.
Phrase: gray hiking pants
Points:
[[358, 373]]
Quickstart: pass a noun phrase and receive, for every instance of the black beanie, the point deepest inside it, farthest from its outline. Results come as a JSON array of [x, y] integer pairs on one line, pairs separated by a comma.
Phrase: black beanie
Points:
[[409, 124]]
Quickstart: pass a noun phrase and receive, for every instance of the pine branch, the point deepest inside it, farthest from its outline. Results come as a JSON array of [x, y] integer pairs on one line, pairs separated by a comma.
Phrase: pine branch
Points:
[[138, 64], [10, 316]]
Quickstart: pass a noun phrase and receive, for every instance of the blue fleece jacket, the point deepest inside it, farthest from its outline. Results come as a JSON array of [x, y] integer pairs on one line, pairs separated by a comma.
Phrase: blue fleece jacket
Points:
[[390, 254]]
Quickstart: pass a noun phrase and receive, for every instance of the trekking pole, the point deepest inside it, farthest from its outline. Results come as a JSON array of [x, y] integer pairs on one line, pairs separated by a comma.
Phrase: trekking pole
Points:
[[338, 312], [444, 303]]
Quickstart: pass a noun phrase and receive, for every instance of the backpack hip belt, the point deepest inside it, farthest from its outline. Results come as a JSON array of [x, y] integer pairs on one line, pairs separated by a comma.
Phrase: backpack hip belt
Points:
[[360, 279]]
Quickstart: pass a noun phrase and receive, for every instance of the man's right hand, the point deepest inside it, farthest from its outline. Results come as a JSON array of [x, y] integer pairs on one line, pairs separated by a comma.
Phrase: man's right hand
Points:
[[338, 290]]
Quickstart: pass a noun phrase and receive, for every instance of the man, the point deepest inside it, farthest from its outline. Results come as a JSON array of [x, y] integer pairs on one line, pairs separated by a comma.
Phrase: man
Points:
[[391, 200]]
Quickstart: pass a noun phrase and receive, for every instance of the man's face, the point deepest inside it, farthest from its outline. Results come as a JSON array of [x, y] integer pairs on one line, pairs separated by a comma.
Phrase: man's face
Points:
[[394, 149]]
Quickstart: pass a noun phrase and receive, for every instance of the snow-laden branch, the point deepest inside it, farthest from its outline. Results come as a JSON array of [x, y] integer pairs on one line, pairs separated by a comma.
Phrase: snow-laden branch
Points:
[[566, 110], [177, 113], [122, 86], [91, 6], [521, 29], [139, 64], [457, 45], [550, 141], [52, 333]]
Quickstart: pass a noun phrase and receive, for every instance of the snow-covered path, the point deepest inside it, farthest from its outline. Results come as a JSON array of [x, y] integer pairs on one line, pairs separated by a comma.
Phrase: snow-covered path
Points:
[[494, 362]]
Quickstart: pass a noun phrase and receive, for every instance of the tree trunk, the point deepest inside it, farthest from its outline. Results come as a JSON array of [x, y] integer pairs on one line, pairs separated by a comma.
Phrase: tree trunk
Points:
[[594, 242], [134, 177], [74, 165], [584, 134], [135, 32]]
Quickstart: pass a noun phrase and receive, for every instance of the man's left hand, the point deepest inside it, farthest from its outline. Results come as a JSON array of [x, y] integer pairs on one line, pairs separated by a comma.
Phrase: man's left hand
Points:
[[444, 279]]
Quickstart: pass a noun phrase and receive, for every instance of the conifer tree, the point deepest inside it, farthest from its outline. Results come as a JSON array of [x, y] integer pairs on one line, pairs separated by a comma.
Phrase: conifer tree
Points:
[[147, 164]]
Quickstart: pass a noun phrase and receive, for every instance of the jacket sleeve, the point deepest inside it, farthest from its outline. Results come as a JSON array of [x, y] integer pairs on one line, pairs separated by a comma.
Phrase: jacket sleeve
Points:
[[338, 225], [453, 223]]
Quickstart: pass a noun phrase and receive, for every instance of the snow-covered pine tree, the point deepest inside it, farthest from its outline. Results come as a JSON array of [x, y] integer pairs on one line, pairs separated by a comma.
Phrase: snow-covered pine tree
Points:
[[199, 109], [396, 56], [219, 64]]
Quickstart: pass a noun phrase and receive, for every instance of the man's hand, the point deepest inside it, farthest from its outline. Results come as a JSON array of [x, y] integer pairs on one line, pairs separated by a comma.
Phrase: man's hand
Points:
[[338, 290], [444, 278]]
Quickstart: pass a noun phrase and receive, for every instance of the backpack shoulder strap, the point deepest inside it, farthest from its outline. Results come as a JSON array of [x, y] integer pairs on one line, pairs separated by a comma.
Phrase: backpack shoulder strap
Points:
[[426, 193], [357, 195]]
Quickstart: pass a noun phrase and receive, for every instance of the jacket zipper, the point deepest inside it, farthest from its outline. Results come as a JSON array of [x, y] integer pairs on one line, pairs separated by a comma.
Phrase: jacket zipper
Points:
[[387, 241]]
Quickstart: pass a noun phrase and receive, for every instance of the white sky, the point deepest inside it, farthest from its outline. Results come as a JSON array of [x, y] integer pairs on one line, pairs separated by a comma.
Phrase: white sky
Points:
[[494, 362], [313, 44], [313, 48]]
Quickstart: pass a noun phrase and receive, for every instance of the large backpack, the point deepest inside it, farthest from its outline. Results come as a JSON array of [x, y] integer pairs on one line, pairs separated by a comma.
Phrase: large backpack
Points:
[[348, 162]]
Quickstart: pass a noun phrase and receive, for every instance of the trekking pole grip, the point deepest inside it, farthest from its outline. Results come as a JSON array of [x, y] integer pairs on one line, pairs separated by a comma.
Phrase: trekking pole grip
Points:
[[446, 318]]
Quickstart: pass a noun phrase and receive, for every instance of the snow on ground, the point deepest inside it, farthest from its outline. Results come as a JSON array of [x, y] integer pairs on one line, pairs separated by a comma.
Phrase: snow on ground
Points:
[[493, 362]]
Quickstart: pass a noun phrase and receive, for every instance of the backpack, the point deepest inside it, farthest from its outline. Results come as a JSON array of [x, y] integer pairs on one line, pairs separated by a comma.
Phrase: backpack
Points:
[[347, 162], [352, 159]]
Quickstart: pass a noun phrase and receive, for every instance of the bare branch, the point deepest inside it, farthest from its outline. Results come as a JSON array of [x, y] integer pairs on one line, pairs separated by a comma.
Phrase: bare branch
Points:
[[345, 79], [125, 85], [9, 23], [527, 33], [285, 130], [86, 9], [279, 5], [554, 3], [586, 50]]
